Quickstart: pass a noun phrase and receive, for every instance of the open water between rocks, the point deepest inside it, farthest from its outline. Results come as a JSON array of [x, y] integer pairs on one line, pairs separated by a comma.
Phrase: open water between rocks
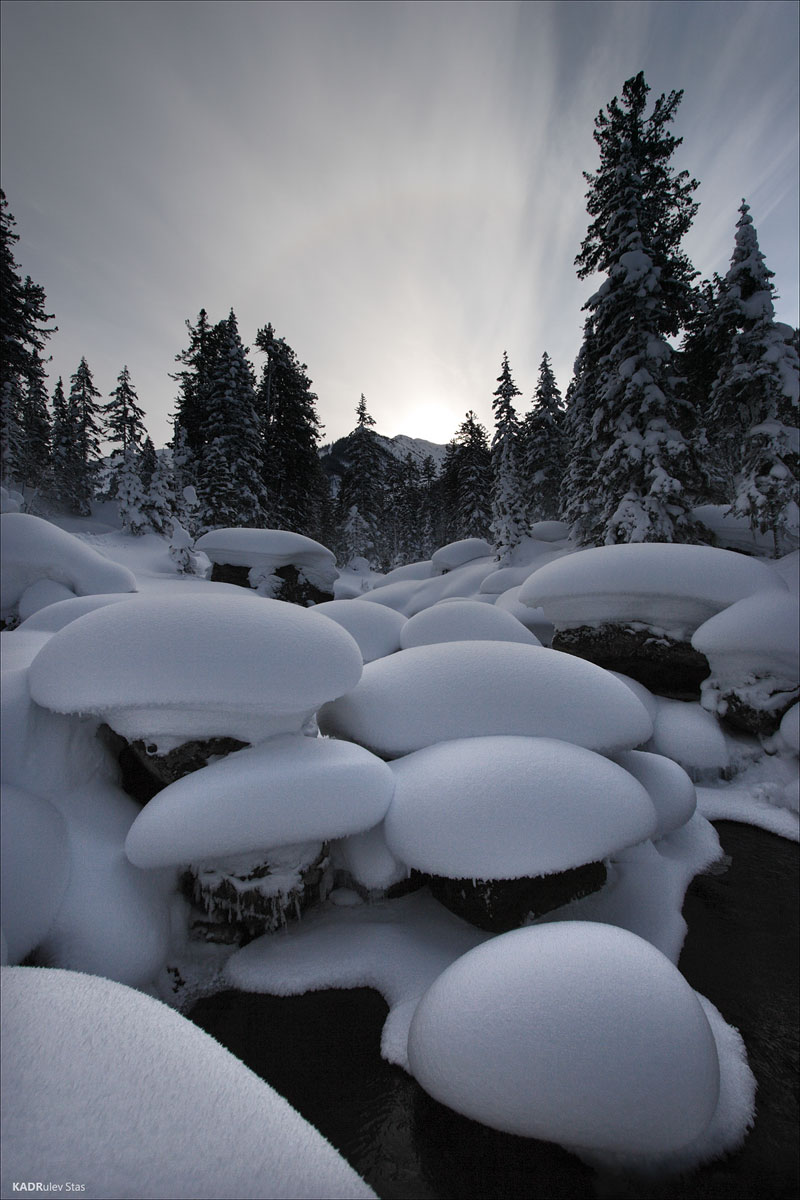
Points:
[[321, 1051]]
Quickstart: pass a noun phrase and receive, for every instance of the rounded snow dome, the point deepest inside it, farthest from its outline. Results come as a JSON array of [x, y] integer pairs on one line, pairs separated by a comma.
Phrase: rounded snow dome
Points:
[[757, 635], [464, 621], [512, 807], [669, 787], [453, 690], [375, 627], [171, 669], [673, 587], [573, 1032], [290, 789]]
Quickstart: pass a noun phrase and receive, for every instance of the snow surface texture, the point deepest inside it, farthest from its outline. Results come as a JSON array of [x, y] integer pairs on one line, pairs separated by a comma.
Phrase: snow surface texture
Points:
[[173, 669], [110, 1088], [34, 551], [35, 869], [669, 587], [509, 807], [753, 649], [578, 1033], [288, 789], [375, 627], [462, 621], [265, 550], [432, 694]]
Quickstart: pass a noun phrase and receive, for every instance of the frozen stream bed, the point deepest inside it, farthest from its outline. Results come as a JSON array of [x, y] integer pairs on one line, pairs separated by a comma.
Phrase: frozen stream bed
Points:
[[321, 1051]]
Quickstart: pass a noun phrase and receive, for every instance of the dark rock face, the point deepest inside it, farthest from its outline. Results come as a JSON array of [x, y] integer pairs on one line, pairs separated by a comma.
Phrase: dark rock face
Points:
[[757, 721], [665, 666], [144, 774], [413, 883], [499, 905], [236, 906], [293, 589]]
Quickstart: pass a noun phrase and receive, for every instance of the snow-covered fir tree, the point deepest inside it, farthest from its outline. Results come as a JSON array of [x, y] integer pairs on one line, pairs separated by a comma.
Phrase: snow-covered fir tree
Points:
[[35, 427], [646, 476], [161, 504], [509, 515], [60, 438], [473, 478], [229, 464], [296, 485], [576, 499], [543, 456], [84, 431], [753, 406], [129, 491], [193, 404], [23, 332], [124, 418], [360, 499]]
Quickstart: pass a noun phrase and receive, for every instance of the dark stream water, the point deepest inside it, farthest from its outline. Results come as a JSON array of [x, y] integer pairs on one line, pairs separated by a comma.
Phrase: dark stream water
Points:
[[321, 1051]]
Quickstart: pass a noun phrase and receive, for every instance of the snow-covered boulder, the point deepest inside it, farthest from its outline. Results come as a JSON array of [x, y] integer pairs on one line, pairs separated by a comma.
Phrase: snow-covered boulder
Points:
[[33, 550], [60, 613], [375, 627], [668, 786], [549, 531], [35, 869], [168, 670], [691, 737], [634, 607], [276, 562], [532, 618], [733, 533], [477, 810], [365, 863], [455, 554], [11, 501], [573, 1032], [432, 694], [464, 621], [113, 1089], [287, 790], [753, 649]]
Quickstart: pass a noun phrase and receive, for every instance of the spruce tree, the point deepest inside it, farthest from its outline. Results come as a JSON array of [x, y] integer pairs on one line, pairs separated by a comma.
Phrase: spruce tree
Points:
[[360, 500], [124, 418], [84, 428], [576, 497], [295, 482], [509, 521], [192, 409], [36, 428], [61, 438], [646, 476], [129, 491], [544, 456], [229, 480], [473, 467], [23, 333]]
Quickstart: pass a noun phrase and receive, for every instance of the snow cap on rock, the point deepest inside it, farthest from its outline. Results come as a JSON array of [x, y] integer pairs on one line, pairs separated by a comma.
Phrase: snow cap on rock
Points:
[[572, 1032], [464, 621], [758, 635], [32, 550], [287, 790], [266, 550], [173, 669], [375, 627], [455, 554], [671, 587], [512, 807], [432, 694], [668, 786]]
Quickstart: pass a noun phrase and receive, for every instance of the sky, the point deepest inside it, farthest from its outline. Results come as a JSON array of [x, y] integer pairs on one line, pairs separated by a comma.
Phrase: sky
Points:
[[396, 187]]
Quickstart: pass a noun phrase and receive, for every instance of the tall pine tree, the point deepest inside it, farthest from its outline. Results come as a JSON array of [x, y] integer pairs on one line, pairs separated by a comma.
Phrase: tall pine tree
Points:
[[509, 518], [543, 447], [360, 500], [473, 471], [82, 451]]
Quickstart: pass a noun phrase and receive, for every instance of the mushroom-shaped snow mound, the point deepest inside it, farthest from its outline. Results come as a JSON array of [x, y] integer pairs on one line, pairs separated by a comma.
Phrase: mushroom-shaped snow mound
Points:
[[464, 621], [34, 550], [172, 669], [453, 690], [265, 551], [671, 587], [455, 554], [115, 1089], [63, 612], [509, 807], [375, 627], [668, 786], [288, 790], [573, 1032]]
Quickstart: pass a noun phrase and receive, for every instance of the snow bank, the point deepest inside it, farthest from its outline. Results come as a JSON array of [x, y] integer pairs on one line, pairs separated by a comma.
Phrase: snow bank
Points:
[[375, 627], [412, 596], [574, 1032], [170, 669], [510, 807], [668, 786], [753, 649], [266, 550], [289, 789], [35, 869], [61, 613], [462, 621], [733, 533], [112, 1089], [34, 550], [671, 587], [455, 554], [432, 694]]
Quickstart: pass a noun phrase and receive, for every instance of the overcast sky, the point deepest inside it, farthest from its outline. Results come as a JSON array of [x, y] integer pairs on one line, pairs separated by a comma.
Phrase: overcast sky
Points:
[[395, 186]]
